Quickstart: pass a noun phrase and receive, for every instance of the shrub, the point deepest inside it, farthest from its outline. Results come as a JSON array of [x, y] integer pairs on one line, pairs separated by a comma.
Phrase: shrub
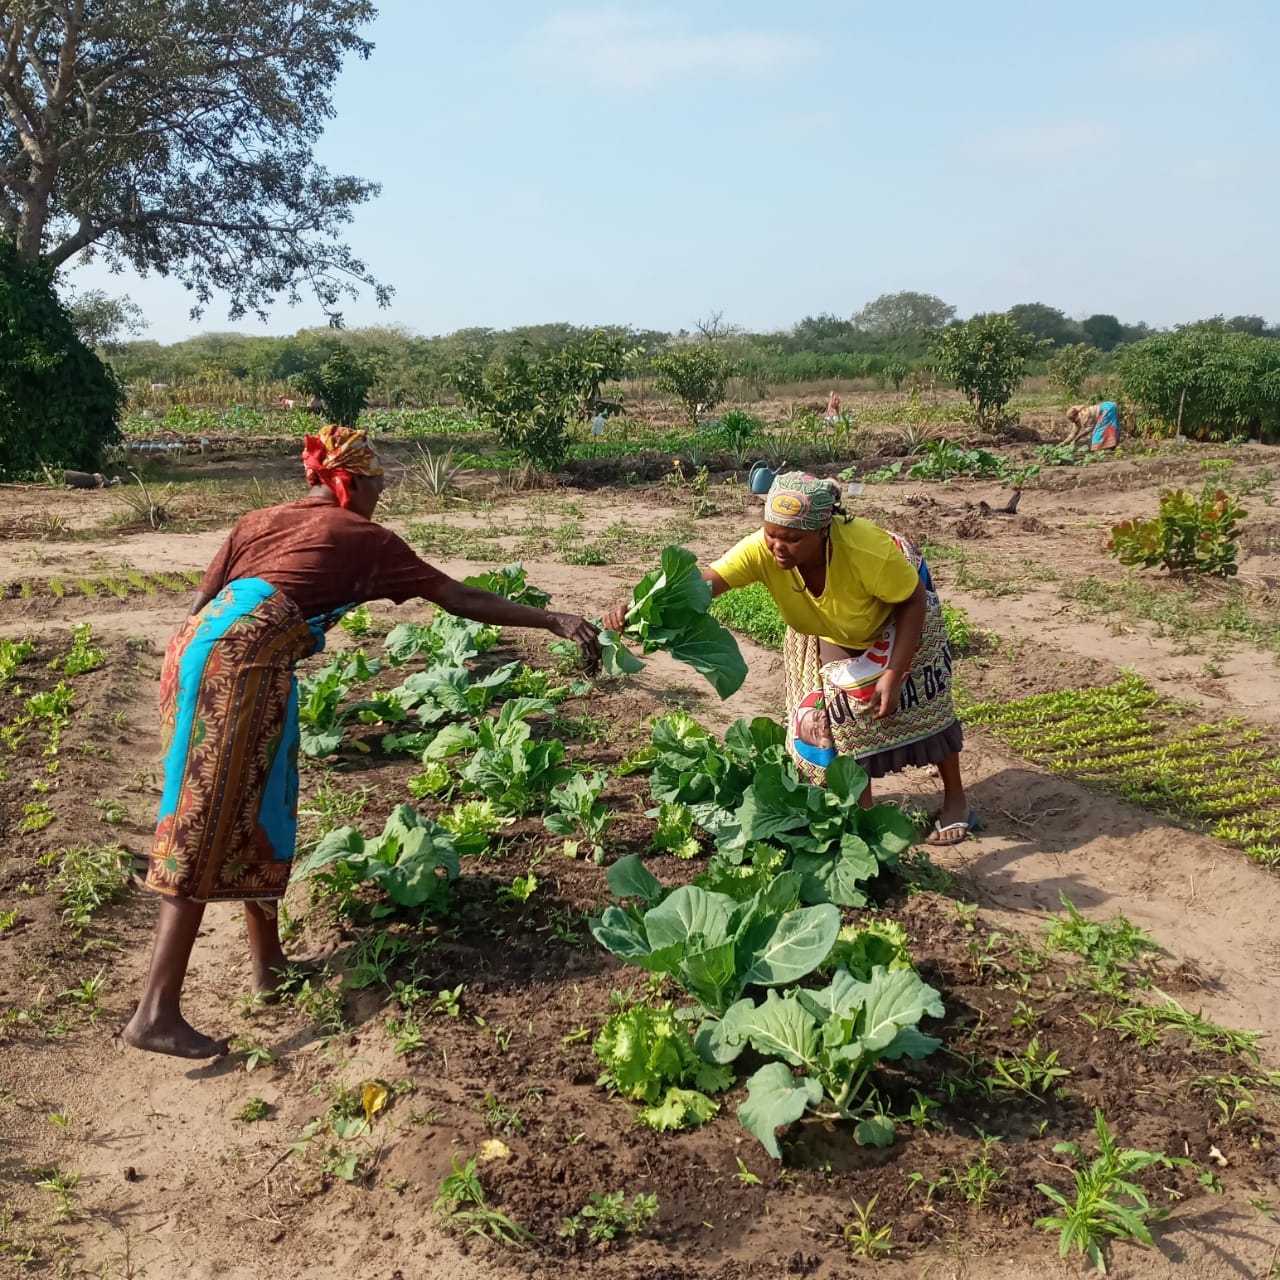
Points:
[[59, 404], [1069, 366], [1215, 382], [985, 358], [528, 399], [696, 375], [1190, 535], [342, 383]]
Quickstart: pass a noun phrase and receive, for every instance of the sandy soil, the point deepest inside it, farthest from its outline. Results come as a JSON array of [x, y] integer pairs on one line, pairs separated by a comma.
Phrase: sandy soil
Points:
[[173, 1185]]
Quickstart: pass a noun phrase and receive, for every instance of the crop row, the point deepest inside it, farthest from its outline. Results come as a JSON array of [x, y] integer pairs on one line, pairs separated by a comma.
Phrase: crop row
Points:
[[1128, 739]]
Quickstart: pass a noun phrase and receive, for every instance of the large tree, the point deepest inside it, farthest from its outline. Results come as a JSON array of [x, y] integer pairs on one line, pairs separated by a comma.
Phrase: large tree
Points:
[[894, 316], [177, 136]]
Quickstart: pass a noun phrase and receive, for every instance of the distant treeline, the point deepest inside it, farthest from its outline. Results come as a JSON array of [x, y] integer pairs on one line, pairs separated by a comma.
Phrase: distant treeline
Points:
[[884, 341]]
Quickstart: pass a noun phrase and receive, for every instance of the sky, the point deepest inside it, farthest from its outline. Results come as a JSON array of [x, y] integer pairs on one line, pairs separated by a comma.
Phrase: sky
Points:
[[649, 164]]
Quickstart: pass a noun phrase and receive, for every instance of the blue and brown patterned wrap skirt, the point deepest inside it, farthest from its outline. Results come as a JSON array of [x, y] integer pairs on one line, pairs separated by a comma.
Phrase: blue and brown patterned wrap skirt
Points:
[[228, 818]]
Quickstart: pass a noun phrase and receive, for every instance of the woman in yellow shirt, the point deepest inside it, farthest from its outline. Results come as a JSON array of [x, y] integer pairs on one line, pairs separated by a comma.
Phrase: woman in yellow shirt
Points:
[[866, 660]]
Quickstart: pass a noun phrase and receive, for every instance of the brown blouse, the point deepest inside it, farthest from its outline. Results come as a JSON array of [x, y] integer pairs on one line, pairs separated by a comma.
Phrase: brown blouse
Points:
[[322, 556]]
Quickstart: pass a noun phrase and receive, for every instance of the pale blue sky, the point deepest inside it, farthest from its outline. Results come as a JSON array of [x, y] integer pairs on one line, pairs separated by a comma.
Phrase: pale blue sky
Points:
[[646, 164]]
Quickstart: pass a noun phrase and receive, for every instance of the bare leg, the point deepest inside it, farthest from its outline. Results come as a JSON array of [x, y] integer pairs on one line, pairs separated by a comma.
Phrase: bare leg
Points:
[[157, 1023], [955, 804], [262, 920]]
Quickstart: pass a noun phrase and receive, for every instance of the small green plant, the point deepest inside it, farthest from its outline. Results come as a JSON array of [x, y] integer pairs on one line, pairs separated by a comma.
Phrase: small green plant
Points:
[[359, 622], [87, 879], [862, 1238], [461, 1204], [253, 1110], [255, 1053], [605, 1216], [1189, 535], [112, 812], [979, 1177], [35, 817], [1108, 1204], [580, 814], [1104, 947], [13, 653], [82, 657], [63, 1185]]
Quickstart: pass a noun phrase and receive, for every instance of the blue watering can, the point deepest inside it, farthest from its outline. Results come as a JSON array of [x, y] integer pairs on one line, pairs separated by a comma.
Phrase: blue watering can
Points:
[[760, 477]]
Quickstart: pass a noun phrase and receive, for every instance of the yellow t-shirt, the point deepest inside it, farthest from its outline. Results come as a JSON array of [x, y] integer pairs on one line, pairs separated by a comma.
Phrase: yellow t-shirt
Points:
[[867, 577]]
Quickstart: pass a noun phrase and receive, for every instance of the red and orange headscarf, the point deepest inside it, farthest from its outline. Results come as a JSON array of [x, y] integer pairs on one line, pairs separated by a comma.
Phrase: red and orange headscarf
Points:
[[334, 455]]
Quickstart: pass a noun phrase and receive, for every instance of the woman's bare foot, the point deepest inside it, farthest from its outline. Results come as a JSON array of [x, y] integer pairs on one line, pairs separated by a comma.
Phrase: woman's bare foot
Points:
[[174, 1036]]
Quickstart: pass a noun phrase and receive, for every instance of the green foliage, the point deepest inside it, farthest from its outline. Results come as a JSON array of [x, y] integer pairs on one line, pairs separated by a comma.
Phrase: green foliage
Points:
[[668, 611], [446, 640], [529, 398], [413, 862], [833, 843], [1190, 535], [1069, 366], [673, 833], [1105, 947], [59, 404], [319, 718], [647, 1053], [835, 1036], [13, 653], [88, 879], [606, 1215], [471, 824], [751, 611], [462, 1204], [512, 583], [342, 383], [985, 358], [1108, 1203], [696, 374], [689, 766], [507, 767], [578, 812], [863, 947], [710, 945], [1216, 383], [181, 141], [943, 459]]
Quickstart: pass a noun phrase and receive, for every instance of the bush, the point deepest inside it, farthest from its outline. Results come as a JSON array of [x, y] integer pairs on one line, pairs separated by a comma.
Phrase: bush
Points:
[[342, 383], [1190, 535], [985, 358], [1069, 366], [528, 399], [696, 375], [1218, 382], [59, 404]]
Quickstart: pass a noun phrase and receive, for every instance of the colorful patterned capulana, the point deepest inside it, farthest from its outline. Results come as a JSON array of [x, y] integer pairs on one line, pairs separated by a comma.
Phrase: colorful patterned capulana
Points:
[[798, 500], [334, 454]]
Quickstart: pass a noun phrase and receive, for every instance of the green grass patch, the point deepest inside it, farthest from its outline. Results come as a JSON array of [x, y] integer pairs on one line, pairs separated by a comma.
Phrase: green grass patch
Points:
[[751, 612]]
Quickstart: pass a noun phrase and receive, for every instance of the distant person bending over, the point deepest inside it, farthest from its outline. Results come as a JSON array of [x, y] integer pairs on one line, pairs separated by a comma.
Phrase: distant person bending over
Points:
[[229, 811], [833, 407], [1102, 421], [865, 658]]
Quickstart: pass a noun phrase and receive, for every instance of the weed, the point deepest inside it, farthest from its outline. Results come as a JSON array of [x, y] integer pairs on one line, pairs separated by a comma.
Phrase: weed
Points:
[[63, 1185], [255, 1054], [607, 1215], [752, 612], [745, 1176], [112, 812], [461, 1203], [1108, 1203], [253, 1110], [862, 1239], [979, 1177], [88, 878]]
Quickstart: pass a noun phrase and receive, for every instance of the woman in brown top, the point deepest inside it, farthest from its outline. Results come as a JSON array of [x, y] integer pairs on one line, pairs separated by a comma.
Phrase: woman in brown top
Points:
[[228, 816]]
